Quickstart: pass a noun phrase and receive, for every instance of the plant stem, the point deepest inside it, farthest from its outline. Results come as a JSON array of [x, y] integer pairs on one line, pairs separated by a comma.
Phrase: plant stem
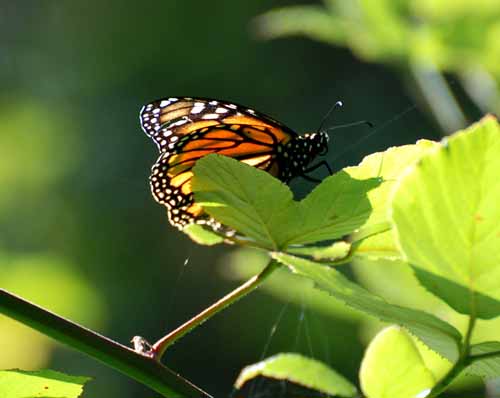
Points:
[[143, 369], [161, 345], [482, 357], [460, 364], [438, 96]]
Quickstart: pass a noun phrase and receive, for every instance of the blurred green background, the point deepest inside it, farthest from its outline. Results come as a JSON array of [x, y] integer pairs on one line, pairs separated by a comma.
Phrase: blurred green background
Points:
[[79, 230]]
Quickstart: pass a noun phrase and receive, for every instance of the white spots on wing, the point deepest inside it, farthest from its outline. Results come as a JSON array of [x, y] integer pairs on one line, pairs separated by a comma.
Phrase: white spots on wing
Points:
[[180, 122], [156, 111], [174, 138], [231, 106], [220, 109], [197, 108], [213, 102], [167, 133], [251, 111], [209, 116]]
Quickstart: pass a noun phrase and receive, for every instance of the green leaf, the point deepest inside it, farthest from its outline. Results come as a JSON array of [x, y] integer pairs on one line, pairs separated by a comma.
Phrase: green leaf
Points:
[[335, 208], [390, 165], [392, 367], [226, 188], [485, 359], [336, 252], [310, 21], [435, 333], [446, 215], [43, 383], [300, 370], [202, 236], [459, 36]]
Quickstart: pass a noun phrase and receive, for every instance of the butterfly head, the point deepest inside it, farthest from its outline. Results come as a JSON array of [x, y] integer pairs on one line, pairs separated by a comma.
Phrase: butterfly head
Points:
[[316, 143]]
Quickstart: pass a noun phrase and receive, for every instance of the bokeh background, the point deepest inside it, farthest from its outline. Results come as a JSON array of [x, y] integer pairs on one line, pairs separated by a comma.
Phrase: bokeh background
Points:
[[79, 230]]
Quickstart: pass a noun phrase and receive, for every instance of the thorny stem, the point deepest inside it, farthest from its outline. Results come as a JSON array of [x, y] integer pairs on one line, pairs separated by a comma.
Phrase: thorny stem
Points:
[[161, 345], [145, 370]]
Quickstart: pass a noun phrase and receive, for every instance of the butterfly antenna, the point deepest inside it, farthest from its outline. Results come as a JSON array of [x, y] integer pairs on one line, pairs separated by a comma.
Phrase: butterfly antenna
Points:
[[340, 126], [337, 104], [371, 133]]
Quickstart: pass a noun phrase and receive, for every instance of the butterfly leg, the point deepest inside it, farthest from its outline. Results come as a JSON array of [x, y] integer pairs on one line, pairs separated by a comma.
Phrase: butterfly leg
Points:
[[314, 167], [318, 165], [309, 178]]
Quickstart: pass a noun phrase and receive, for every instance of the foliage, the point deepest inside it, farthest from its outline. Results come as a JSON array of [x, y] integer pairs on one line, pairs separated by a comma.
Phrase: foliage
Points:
[[439, 200], [459, 174], [300, 370], [443, 33], [44, 383], [81, 235], [423, 38], [403, 373], [456, 258]]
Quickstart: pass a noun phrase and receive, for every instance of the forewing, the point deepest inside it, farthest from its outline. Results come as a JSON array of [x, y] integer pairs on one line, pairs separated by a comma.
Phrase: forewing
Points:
[[170, 119]]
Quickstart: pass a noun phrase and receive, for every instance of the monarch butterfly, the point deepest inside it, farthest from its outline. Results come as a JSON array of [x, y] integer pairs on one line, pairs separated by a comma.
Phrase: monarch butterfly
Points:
[[186, 129]]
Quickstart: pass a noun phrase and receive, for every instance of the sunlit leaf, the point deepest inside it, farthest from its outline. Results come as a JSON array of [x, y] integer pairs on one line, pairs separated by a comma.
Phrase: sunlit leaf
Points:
[[486, 362], [301, 370], [392, 367], [43, 383], [389, 165], [202, 236], [437, 334], [314, 22], [333, 253], [227, 190], [446, 216]]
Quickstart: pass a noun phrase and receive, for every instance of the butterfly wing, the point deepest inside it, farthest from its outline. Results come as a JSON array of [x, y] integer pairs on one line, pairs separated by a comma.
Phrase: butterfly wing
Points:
[[167, 120], [186, 129]]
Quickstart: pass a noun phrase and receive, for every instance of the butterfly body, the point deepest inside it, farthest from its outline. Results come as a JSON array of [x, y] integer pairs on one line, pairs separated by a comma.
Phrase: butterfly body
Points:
[[186, 129]]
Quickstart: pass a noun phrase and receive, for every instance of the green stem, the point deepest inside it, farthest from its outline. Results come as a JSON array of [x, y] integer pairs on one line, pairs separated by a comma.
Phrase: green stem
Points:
[[438, 96], [460, 364], [143, 369], [161, 345], [482, 357]]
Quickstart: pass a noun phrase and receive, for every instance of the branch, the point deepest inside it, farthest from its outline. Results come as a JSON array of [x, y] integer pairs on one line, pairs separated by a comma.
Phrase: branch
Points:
[[143, 369], [161, 345]]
